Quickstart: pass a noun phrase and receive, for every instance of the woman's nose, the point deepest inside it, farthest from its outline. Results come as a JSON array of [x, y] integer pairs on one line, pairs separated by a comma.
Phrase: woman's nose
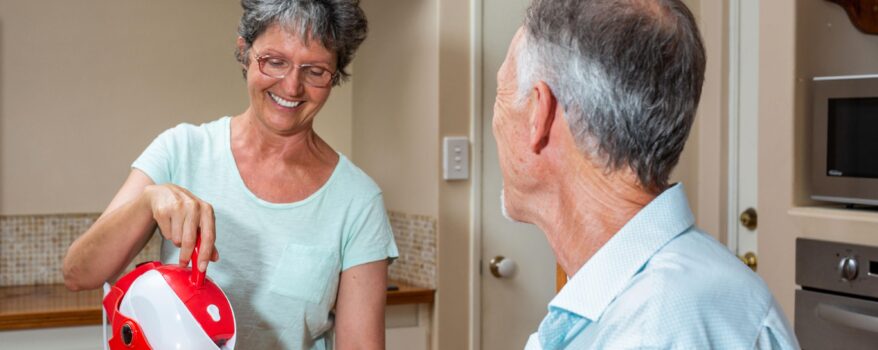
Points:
[[292, 83]]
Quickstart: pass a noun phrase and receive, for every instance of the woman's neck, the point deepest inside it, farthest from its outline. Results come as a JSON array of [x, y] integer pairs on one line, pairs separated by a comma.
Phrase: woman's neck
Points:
[[297, 147]]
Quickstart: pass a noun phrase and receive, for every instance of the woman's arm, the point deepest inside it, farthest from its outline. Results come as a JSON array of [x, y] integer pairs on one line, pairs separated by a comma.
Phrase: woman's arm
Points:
[[121, 232], [113, 240], [359, 309]]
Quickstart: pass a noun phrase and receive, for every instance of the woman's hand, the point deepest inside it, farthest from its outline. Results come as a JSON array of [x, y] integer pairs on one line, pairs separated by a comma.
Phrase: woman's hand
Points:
[[180, 216]]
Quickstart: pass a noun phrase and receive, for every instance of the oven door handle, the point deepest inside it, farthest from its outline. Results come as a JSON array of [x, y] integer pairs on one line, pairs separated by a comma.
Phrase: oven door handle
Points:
[[847, 318]]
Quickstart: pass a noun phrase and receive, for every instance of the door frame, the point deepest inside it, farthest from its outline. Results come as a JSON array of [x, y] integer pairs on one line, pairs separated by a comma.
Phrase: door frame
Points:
[[475, 290], [735, 28], [734, 77]]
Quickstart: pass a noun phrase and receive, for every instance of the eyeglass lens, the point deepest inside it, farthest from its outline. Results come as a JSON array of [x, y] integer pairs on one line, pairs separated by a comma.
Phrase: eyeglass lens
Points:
[[279, 68]]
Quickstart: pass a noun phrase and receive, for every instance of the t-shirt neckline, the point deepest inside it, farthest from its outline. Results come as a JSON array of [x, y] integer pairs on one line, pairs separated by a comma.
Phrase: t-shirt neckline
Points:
[[239, 180]]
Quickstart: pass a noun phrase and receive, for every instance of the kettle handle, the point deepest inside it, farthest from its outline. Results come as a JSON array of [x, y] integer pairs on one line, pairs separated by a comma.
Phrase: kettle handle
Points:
[[197, 277]]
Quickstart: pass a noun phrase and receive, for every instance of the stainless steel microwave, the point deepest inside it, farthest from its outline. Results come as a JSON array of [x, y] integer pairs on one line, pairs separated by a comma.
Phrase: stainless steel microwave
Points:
[[844, 155]]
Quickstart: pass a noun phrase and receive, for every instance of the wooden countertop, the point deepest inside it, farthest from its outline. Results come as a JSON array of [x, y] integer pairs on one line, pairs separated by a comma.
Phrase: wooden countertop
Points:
[[44, 306]]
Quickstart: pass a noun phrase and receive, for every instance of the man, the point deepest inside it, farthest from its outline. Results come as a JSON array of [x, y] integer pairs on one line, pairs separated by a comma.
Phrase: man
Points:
[[595, 101]]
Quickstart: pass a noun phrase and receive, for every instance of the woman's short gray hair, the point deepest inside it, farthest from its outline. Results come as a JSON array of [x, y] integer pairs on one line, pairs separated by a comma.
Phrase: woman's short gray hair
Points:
[[339, 25], [628, 74]]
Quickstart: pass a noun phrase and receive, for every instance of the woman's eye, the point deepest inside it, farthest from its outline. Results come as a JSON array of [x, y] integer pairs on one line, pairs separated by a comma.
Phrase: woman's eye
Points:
[[316, 71], [277, 63]]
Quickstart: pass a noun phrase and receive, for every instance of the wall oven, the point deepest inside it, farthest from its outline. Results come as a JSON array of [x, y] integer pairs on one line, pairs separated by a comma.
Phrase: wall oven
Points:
[[837, 305]]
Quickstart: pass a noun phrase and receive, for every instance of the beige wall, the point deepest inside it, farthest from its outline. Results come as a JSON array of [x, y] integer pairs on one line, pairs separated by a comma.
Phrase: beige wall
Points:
[[455, 119], [712, 134], [335, 122], [686, 171], [86, 85], [818, 40], [412, 89], [395, 103], [694, 6], [703, 163], [776, 232]]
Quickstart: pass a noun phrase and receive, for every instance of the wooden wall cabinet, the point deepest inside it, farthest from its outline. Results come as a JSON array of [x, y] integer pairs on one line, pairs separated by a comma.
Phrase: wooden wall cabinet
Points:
[[863, 14]]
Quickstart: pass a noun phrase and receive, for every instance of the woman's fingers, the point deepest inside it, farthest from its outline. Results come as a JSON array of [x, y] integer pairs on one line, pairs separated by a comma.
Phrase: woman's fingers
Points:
[[178, 217], [162, 211], [164, 222], [208, 236], [181, 216], [189, 230], [167, 206]]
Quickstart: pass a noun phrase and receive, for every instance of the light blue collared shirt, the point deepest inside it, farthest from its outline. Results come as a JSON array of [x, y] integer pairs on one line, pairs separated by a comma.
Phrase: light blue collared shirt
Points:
[[660, 283]]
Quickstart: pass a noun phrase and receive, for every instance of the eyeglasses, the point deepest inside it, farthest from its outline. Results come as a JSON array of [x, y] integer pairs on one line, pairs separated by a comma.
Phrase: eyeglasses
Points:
[[279, 67]]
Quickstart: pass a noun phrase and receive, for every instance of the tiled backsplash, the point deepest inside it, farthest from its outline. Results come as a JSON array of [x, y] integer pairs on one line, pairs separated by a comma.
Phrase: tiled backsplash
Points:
[[416, 238], [32, 247]]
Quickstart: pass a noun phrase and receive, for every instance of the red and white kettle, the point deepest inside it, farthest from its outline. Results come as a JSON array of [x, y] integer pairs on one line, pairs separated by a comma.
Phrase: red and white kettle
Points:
[[159, 307]]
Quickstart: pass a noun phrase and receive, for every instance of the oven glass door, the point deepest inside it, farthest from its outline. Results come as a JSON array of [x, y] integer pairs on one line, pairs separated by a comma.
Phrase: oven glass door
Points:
[[830, 321]]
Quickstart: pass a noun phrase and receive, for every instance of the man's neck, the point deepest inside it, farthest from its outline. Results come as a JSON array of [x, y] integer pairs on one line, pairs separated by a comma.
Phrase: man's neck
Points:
[[587, 210]]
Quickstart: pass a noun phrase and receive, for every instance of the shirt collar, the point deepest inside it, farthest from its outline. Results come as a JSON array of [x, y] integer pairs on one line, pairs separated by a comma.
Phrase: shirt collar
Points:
[[607, 273]]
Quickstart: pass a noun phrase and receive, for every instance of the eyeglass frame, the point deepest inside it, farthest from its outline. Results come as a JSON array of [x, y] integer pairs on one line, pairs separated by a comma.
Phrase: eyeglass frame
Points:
[[260, 62]]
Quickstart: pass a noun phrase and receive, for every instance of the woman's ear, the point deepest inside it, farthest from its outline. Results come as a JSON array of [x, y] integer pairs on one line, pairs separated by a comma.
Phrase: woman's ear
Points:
[[542, 118], [242, 51]]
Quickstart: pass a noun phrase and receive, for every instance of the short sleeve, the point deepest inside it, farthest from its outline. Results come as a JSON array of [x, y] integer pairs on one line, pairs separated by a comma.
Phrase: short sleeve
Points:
[[370, 237], [156, 160]]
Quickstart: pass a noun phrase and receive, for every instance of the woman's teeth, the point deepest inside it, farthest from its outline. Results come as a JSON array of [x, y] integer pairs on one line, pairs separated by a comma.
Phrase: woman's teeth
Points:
[[285, 103]]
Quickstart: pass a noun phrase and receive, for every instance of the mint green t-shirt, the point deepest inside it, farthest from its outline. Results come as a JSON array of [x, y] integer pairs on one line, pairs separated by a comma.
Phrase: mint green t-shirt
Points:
[[280, 263]]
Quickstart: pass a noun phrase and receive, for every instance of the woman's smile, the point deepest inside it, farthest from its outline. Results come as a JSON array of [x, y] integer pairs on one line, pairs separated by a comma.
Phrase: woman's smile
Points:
[[287, 104]]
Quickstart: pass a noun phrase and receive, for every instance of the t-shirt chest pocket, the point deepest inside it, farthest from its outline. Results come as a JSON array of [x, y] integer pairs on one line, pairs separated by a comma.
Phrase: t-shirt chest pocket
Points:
[[305, 272]]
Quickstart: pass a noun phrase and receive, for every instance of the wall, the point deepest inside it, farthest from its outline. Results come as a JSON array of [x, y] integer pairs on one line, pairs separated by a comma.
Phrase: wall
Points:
[[395, 103], [777, 60], [335, 122], [413, 88], [710, 114], [703, 162], [710, 139], [686, 170], [86, 85], [455, 119], [817, 40]]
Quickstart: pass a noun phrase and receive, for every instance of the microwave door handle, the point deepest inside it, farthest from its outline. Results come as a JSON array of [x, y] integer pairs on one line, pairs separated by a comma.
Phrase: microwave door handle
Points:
[[850, 319]]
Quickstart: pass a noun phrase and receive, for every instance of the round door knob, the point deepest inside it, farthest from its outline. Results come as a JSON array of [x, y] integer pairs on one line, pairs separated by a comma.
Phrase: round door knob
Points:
[[848, 268], [749, 219], [750, 260], [502, 267]]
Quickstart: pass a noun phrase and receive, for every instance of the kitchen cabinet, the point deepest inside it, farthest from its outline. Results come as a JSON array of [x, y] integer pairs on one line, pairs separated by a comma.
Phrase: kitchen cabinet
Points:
[[407, 325], [50, 317], [68, 338]]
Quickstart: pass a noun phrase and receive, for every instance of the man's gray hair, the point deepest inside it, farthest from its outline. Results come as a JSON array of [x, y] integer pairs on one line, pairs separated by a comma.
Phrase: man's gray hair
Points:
[[628, 74], [339, 25]]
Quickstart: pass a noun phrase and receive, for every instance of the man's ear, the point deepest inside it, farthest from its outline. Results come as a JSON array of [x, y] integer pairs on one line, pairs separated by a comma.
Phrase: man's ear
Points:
[[542, 117]]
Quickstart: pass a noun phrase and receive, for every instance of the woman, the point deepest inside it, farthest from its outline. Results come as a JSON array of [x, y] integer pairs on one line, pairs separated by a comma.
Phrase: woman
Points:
[[304, 236]]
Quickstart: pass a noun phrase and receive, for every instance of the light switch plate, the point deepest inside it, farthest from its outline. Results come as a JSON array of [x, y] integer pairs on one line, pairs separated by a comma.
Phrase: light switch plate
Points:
[[455, 158]]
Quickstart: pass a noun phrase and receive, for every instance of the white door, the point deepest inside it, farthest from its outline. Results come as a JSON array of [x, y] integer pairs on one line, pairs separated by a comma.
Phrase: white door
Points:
[[743, 135], [511, 307]]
